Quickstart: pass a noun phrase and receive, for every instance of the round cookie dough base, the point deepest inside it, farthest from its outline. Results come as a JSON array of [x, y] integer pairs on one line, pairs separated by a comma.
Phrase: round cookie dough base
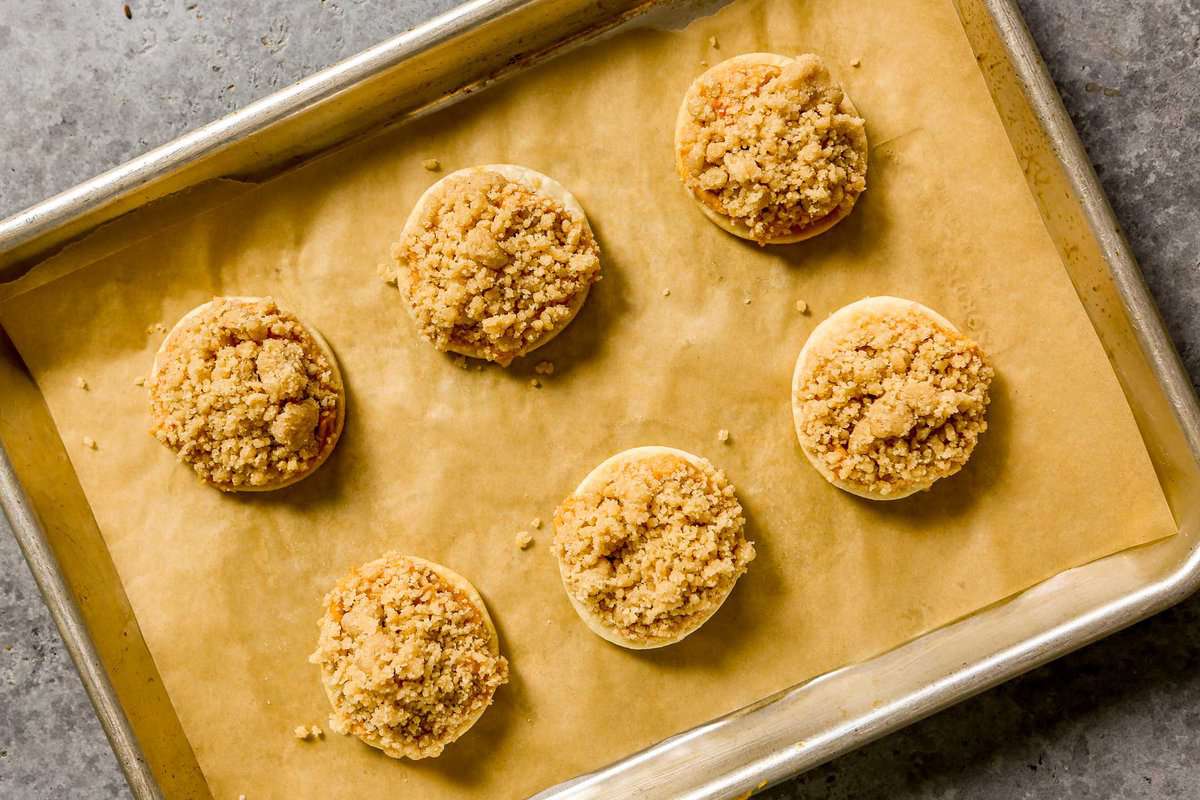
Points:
[[339, 423], [463, 585], [593, 481], [530, 179], [724, 222], [846, 319]]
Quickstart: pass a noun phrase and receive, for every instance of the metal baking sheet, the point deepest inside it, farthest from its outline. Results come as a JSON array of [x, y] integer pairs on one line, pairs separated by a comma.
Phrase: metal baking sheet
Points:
[[462, 52]]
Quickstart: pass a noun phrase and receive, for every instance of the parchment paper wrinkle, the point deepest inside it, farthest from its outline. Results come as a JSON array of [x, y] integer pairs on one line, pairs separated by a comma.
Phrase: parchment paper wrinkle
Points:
[[448, 463]]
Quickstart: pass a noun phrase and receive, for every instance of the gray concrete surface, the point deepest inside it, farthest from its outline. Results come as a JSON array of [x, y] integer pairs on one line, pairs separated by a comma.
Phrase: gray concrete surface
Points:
[[83, 88]]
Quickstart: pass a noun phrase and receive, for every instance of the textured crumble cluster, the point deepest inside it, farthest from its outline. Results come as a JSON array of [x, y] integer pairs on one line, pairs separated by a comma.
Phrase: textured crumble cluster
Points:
[[308, 733], [245, 395], [406, 658], [493, 268], [768, 147], [895, 404], [655, 549]]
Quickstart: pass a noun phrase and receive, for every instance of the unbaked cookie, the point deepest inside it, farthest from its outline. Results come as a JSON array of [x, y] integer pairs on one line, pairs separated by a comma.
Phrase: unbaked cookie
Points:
[[409, 657], [495, 261], [246, 395], [888, 396], [649, 546], [771, 147]]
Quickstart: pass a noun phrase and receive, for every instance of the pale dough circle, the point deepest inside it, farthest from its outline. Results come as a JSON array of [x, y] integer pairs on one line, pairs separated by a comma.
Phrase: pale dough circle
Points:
[[594, 480], [530, 179], [331, 438], [683, 122], [457, 582], [839, 323]]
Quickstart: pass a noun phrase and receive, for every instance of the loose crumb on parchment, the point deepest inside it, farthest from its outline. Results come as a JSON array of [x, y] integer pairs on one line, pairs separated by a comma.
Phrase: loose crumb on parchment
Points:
[[387, 273], [536, 524], [406, 657], [896, 403], [544, 368], [81, 383], [89, 443], [613, 541], [770, 147], [431, 164], [723, 436], [244, 395], [523, 539], [308, 733], [493, 268], [802, 306]]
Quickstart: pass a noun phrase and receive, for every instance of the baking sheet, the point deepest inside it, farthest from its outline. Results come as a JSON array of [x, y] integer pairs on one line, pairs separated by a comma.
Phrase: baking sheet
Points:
[[448, 463]]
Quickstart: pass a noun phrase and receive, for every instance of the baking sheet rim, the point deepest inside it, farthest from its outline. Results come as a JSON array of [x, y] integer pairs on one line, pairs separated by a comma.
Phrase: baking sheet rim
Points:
[[1155, 344]]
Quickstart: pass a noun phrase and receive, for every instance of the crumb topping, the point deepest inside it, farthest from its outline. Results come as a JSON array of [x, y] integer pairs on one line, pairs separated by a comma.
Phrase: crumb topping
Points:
[[654, 549], [245, 395], [770, 148], [494, 267], [406, 657], [896, 403]]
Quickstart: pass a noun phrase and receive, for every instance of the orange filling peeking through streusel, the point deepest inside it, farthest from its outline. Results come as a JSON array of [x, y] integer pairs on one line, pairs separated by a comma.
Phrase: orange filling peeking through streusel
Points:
[[655, 549], [895, 404], [771, 147]]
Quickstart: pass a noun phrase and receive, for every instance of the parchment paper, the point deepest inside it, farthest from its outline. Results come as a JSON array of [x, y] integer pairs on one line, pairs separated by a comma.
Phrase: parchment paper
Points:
[[449, 463]]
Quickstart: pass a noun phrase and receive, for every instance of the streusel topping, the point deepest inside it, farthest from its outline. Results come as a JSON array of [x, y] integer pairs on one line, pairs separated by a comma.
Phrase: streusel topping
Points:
[[493, 267], [895, 404], [655, 548], [770, 147], [406, 657], [245, 395]]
